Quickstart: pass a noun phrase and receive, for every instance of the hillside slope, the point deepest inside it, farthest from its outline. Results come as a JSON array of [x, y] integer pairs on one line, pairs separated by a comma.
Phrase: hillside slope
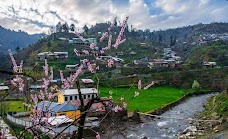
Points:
[[216, 52], [11, 39]]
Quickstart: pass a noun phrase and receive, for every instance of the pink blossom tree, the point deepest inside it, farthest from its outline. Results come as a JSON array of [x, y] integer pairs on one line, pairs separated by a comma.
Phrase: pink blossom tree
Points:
[[39, 117]]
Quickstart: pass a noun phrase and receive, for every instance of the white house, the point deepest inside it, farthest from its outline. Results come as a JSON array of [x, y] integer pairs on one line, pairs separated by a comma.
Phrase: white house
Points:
[[3, 88], [72, 67], [54, 55]]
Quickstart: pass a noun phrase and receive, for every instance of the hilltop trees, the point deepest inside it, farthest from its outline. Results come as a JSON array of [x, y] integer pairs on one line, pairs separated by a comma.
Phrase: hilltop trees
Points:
[[59, 27], [72, 27], [86, 29], [62, 27], [65, 27]]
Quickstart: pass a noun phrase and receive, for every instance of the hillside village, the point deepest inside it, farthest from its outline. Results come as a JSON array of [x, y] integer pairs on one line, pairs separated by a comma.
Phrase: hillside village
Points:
[[157, 63]]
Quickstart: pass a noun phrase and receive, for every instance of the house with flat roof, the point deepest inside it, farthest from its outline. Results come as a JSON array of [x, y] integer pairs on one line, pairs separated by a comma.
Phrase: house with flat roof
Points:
[[67, 95], [88, 83], [4, 88], [72, 67], [35, 88], [52, 55], [209, 64]]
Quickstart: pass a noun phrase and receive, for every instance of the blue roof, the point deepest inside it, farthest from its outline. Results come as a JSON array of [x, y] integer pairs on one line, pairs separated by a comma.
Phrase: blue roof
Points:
[[46, 105], [64, 107]]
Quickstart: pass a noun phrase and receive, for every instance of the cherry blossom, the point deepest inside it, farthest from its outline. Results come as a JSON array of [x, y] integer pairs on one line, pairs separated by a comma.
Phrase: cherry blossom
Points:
[[98, 136], [15, 69], [136, 94], [45, 68], [92, 46], [118, 40], [79, 36], [90, 68], [86, 52], [41, 95], [149, 85], [104, 35], [117, 108], [110, 63], [76, 52], [139, 84], [34, 98]]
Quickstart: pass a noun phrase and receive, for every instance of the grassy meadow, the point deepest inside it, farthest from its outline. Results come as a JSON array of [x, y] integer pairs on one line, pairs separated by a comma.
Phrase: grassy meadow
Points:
[[147, 100], [12, 106]]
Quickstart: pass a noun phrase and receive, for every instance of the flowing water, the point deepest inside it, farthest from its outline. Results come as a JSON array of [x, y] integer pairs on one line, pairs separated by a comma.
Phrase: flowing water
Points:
[[168, 128]]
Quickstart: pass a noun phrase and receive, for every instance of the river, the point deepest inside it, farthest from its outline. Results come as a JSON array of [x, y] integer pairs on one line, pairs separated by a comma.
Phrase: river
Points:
[[165, 128]]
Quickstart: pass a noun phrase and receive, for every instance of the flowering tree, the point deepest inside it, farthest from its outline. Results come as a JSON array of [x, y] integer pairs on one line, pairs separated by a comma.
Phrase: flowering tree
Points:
[[39, 116]]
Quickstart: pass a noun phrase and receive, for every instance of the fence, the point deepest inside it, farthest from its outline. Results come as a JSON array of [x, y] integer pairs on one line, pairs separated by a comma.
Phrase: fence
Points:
[[19, 121], [49, 130]]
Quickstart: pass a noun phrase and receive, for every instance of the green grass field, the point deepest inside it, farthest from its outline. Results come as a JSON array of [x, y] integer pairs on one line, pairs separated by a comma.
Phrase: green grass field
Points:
[[13, 106], [147, 100]]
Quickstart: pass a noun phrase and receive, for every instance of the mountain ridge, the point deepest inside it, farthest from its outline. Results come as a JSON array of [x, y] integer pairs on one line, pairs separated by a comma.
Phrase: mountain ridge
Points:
[[11, 39]]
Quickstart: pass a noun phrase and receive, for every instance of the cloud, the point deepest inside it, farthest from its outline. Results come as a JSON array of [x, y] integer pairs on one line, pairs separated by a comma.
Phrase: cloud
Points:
[[35, 16]]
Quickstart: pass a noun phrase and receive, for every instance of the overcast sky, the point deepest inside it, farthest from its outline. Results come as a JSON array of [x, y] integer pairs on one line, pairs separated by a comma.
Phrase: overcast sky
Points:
[[36, 16]]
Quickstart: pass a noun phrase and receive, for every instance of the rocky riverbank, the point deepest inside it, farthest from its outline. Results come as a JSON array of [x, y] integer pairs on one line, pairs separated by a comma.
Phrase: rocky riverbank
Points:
[[171, 123], [216, 109]]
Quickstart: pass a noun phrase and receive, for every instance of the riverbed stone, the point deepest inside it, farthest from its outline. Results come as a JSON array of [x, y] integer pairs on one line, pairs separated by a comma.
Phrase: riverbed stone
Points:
[[200, 134], [182, 137], [189, 129], [216, 128], [190, 134], [214, 124]]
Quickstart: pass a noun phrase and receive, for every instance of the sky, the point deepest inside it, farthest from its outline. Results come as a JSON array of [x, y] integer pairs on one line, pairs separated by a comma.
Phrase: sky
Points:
[[37, 16]]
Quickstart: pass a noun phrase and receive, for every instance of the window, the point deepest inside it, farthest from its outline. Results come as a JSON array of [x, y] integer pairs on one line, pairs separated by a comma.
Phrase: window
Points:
[[61, 114], [88, 96], [66, 98], [92, 96], [84, 96], [75, 97], [70, 97]]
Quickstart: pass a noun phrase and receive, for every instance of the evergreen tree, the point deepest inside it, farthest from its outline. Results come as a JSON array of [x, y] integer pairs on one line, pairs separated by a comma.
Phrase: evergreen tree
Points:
[[65, 27], [72, 27], [59, 27], [17, 49], [86, 29]]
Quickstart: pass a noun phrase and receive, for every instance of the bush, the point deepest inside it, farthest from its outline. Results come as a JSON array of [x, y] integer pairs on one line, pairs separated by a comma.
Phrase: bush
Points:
[[195, 85]]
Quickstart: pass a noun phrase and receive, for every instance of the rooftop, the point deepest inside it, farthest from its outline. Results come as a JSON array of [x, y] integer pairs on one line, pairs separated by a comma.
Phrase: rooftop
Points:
[[63, 108], [75, 91], [4, 88], [36, 86], [87, 81], [46, 105], [58, 120]]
